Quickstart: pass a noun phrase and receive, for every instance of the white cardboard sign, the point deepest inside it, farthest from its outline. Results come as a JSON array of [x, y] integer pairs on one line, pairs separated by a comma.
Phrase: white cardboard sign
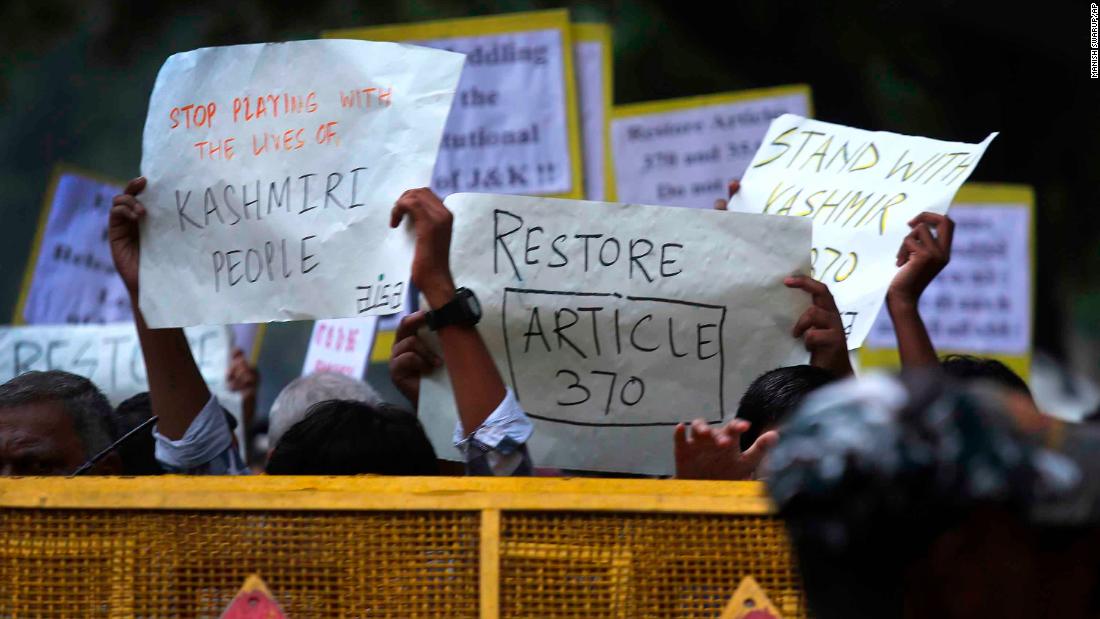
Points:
[[74, 280], [614, 322], [272, 170], [982, 301], [687, 154], [108, 355], [591, 83], [508, 131], [860, 188]]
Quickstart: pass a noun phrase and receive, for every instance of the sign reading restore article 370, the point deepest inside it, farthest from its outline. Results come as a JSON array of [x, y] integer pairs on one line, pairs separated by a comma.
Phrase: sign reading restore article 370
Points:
[[272, 169], [861, 189], [614, 322]]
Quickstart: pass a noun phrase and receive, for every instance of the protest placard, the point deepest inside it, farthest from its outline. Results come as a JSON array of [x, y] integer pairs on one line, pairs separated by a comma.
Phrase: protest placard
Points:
[[272, 169], [249, 338], [108, 355], [614, 322], [684, 152], [860, 188], [343, 346], [592, 55], [513, 128], [70, 278], [982, 303]]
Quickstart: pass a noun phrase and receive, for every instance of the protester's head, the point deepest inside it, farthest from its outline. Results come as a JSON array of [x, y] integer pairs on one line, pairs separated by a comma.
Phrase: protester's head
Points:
[[346, 437], [295, 400], [967, 368], [775, 395], [51, 423], [915, 492], [138, 452]]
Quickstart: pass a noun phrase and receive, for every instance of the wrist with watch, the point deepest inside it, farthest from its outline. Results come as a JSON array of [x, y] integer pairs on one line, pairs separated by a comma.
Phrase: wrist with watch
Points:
[[463, 310]]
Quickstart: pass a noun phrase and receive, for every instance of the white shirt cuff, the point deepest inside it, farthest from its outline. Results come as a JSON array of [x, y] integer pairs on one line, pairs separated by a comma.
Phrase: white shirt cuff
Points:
[[507, 424], [207, 437]]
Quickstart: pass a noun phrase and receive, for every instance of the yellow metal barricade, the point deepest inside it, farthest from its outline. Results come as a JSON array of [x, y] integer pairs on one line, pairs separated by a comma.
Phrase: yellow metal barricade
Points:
[[389, 547]]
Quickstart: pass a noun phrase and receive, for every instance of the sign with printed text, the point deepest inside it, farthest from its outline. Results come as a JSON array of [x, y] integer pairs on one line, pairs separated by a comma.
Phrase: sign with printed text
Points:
[[342, 346], [982, 301], [73, 280], [592, 60], [613, 324], [108, 355], [685, 152], [272, 169], [512, 126], [860, 189]]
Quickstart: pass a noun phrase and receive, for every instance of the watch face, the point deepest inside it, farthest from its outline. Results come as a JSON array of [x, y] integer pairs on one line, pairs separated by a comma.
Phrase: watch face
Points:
[[472, 305]]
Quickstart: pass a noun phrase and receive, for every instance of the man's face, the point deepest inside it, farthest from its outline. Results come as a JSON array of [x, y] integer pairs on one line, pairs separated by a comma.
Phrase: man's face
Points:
[[39, 439]]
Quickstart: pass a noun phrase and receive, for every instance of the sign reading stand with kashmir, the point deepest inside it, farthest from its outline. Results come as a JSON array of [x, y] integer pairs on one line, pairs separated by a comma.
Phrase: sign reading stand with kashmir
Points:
[[272, 169], [861, 189]]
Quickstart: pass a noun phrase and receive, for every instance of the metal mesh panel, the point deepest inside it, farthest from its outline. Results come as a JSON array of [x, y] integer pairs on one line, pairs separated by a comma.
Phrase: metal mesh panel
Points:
[[388, 547], [617, 565], [89, 563]]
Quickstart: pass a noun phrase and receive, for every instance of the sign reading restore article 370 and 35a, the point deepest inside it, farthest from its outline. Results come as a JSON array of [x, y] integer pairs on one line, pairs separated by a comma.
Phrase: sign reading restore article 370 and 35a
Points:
[[272, 169], [614, 322], [861, 189]]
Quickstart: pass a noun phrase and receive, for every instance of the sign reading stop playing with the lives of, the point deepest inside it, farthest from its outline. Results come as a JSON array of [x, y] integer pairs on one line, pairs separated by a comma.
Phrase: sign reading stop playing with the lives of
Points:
[[272, 169]]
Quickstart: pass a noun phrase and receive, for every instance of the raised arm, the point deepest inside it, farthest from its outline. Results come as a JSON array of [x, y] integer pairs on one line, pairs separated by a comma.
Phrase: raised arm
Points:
[[478, 387], [176, 387], [821, 328], [921, 257]]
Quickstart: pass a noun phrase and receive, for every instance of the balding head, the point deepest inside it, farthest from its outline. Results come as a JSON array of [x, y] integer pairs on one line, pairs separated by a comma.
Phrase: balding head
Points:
[[295, 400]]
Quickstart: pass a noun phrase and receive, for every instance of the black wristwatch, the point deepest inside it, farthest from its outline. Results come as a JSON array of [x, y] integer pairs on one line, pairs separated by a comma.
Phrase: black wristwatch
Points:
[[463, 310]]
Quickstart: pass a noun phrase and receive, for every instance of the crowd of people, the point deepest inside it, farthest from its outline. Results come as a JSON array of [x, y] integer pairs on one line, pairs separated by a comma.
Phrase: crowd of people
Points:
[[877, 477], [53, 422]]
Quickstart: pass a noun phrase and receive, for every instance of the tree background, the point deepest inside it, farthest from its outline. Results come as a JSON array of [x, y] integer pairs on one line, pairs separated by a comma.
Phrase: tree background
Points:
[[75, 78]]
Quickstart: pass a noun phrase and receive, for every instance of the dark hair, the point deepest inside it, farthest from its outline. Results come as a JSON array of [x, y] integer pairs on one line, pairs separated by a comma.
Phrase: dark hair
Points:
[[138, 453], [774, 395], [81, 399], [346, 437], [970, 368]]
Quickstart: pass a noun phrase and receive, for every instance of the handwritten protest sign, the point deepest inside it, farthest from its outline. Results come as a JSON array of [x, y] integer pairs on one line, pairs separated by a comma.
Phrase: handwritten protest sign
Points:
[[272, 170], [108, 355], [342, 346], [684, 152], [860, 188], [70, 277], [513, 128], [613, 322], [592, 59], [982, 302]]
